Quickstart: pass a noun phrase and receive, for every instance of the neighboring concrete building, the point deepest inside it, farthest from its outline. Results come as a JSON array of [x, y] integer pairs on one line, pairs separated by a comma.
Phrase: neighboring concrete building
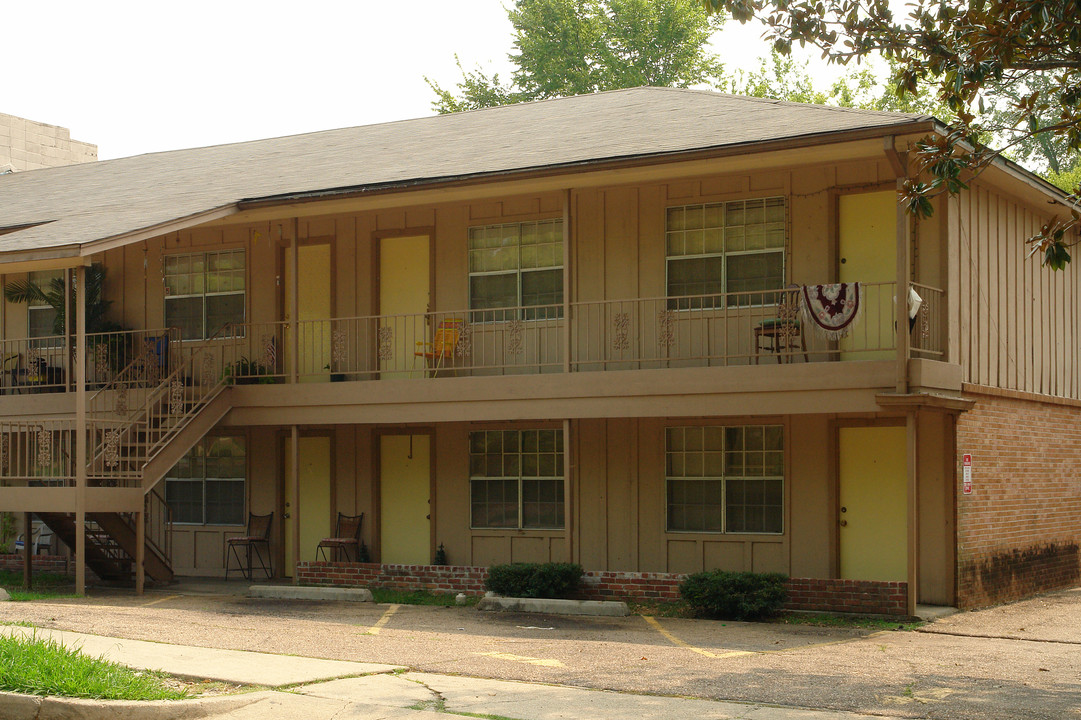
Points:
[[564, 330], [29, 145]]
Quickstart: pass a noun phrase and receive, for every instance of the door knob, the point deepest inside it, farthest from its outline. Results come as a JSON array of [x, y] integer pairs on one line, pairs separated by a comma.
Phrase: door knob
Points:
[[287, 516], [844, 523]]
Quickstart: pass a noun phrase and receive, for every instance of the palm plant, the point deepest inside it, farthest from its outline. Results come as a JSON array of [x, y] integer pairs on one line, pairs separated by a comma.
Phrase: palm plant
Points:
[[24, 291]]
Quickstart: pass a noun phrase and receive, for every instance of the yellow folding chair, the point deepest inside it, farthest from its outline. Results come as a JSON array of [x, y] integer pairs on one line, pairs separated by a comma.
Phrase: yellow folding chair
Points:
[[441, 348]]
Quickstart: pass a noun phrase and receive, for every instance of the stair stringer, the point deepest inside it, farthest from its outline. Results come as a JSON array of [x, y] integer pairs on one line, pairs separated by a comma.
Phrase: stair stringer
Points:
[[184, 439]]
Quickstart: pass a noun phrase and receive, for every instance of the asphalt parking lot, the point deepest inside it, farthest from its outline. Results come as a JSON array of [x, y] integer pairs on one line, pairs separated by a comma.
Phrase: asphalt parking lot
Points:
[[1017, 661]]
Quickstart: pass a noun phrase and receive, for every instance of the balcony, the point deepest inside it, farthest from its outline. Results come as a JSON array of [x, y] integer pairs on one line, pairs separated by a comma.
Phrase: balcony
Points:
[[719, 330]]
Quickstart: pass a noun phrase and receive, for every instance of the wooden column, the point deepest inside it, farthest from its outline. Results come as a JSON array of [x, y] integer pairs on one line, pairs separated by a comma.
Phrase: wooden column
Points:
[[28, 551], [567, 335], [294, 480], [69, 378], [294, 304], [80, 434], [140, 550], [901, 293], [912, 457], [568, 491]]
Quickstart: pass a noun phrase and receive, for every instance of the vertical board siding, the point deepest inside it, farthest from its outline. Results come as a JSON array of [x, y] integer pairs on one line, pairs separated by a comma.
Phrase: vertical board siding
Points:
[[1017, 318]]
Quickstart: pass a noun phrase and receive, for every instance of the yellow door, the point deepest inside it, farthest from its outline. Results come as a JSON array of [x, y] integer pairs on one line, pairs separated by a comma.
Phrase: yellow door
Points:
[[313, 310], [403, 301], [312, 511], [404, 492], [868, 254], [874, 503]]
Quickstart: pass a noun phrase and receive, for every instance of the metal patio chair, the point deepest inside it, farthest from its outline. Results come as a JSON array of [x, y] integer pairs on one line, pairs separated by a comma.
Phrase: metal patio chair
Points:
[[257, 535], [346, 536]]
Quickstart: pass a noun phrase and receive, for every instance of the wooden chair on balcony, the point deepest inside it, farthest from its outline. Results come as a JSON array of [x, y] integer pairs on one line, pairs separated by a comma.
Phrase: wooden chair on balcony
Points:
[[257, 536], [346, 537], [441, 349], [783, 333]]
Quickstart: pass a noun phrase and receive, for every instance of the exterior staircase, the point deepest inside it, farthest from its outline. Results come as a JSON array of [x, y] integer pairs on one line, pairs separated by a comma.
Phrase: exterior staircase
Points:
[[139, 425]]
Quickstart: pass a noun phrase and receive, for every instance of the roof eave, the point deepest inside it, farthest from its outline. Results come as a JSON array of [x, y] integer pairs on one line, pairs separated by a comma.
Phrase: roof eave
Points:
[[718, 151]]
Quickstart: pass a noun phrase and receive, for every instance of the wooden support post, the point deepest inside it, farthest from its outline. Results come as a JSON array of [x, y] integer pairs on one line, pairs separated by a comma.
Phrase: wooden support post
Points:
[[568, 491], [912, 462], [80, 434], [294, 302], [69, 377], [901, 294], [567, 236], [28, 551], [140, 551], [294, 479]]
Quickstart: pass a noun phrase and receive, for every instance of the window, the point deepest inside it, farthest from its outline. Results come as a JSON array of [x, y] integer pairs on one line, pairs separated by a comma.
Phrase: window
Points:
[[203, 292], [727, 247], [516, 265], [207, 486], [516, 479], [725, 479], [41, 316]]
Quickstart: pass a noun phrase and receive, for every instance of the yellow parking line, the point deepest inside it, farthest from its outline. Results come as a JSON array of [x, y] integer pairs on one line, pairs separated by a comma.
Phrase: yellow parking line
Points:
[[160, 600], [523, 659], [374, 630], [676, 641]]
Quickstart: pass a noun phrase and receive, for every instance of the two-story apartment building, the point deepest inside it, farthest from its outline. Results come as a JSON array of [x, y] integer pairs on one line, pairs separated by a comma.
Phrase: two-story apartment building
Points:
[[652, 331]]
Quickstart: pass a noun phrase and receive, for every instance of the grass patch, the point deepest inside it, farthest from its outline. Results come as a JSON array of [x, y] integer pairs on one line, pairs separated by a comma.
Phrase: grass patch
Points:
[[417, 597], [47, 586], [845, 621], [39, 666]]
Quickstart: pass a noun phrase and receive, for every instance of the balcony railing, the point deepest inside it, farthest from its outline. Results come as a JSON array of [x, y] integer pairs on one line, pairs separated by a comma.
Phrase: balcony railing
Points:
[[664, 332]]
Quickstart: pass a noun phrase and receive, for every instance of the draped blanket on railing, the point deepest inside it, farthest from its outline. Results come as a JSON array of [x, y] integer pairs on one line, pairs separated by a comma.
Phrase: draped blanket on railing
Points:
[[832, 309]]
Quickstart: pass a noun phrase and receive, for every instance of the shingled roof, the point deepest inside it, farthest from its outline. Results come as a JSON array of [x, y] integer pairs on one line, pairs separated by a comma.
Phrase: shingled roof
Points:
[[65, 208]]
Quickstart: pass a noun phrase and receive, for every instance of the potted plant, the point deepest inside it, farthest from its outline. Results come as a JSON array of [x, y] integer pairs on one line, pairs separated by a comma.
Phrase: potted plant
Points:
[[247, 372]]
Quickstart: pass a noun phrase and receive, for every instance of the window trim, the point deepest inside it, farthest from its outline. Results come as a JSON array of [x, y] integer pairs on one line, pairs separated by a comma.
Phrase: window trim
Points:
[[724, 254], [209, 438], [520, 527], [477, 315], [205, 253], [783, 479]]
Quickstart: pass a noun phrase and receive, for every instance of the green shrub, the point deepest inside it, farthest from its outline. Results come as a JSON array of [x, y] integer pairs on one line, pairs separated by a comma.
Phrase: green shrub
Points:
[[534, 580], [735, 595]]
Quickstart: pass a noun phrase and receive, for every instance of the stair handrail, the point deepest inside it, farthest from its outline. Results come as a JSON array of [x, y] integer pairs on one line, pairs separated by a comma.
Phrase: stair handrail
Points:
[[143, 415], [175, 385], [126, 375]]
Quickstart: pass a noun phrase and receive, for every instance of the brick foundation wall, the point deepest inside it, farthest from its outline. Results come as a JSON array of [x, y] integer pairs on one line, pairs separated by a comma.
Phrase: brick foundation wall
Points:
[[1018, 532], [852, 596], [41, 563]]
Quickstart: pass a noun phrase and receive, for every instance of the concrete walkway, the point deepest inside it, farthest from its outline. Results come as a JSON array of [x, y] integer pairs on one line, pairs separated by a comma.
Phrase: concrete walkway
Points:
[[318, 689]]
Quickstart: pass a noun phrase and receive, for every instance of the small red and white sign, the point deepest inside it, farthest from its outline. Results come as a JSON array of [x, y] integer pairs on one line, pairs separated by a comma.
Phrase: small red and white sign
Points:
[[966, 474]]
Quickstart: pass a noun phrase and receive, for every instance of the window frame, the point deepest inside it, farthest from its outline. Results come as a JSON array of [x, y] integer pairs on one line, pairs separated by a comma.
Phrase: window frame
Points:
[[723, 479], [521, 310], [520, 480], [205, 254], [205, 442], [768, 298], [35, 307]]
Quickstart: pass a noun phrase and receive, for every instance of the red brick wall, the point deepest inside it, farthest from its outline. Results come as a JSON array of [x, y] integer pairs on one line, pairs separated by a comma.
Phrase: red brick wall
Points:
[[1018, 532], [877, 598], [41, 563]]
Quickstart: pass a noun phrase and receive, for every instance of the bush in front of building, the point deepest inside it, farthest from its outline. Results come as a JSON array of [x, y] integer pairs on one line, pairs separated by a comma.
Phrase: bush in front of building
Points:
[[534, 580], [734, 595]]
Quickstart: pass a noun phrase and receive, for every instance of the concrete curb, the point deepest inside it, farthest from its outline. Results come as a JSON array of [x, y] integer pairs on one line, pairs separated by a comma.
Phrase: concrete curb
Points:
[[602, 608], [16, 706], [296, 592]]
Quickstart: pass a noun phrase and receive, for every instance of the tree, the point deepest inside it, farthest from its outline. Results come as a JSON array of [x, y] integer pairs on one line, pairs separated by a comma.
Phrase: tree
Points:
[[24, 291], [575, 47], [967, 50]]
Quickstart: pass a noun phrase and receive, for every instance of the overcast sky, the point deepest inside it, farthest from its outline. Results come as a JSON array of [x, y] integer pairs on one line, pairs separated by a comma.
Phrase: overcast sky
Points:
[[137, 77]]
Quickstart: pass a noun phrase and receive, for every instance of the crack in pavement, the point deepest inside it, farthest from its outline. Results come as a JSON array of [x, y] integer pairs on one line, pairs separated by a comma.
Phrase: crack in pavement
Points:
[[930, 631]]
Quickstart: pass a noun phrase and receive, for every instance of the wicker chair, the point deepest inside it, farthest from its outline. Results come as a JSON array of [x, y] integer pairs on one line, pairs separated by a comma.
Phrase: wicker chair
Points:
[[258, 535], [346, 536]]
